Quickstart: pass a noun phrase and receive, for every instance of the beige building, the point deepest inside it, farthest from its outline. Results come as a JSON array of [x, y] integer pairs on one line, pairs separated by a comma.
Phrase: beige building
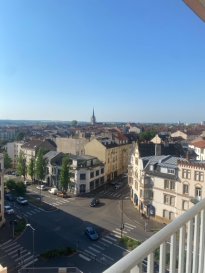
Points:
[[114, 156], [13, 150], [73, 145], [164, 186], [2, 219]]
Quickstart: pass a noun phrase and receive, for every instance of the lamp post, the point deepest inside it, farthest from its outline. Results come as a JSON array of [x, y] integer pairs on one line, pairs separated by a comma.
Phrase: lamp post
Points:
[[122, 224], [33, 230]]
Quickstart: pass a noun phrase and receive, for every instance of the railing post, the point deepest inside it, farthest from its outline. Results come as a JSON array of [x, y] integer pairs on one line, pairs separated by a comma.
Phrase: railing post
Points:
[[196, 244], [173, 253], [189, 247], [150, 263], [202, 243], [162, 259], [181, 249]]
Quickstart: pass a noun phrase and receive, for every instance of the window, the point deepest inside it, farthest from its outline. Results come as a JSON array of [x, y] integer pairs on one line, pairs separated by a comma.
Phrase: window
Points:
[[169, 200], [171, 171], [185, 189], [91, 174], [186, 174], [168, 214], [82, 176], [169, 184], [198, 176], [97, 172], [185, 205], [198, 192], [102, 170]]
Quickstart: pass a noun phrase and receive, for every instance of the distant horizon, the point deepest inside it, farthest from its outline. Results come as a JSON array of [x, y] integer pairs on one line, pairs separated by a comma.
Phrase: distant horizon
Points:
[[97, 122]]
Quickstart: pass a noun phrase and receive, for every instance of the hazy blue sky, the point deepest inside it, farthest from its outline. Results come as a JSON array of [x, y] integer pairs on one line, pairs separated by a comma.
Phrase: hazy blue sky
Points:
[[132, 60]]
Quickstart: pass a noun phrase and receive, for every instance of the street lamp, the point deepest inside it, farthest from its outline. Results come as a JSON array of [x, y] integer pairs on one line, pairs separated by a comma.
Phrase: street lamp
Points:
[[33, 230]]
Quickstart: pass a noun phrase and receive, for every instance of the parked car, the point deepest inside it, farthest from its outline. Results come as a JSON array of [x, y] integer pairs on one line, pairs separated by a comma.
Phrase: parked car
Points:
[[21, 200], [118, 185], [94, 202], [8, 210], [27, 183], [9, 197], [91, 233], [53, 191], [42, 187], [62, 194]]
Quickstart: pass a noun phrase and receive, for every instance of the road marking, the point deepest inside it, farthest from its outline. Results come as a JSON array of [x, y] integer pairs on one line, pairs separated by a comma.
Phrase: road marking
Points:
[[104, 244], [21, 253], [119, 230], [22, 256], [5, 243], [101, 248], [111, 259], [117, 236], [31, 262], [84, 257], [93, 249], [8, 246], [14, 247], [15, 251], [107, 241], [111, 238], [90, 253], [28, 213], [127, 224]]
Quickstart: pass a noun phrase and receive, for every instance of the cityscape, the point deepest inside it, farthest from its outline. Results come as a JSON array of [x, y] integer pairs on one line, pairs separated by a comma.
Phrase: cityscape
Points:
[[102, 136]]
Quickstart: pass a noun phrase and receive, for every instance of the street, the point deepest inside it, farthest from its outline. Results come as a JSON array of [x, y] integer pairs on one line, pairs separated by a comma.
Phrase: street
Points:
[[64, 226]]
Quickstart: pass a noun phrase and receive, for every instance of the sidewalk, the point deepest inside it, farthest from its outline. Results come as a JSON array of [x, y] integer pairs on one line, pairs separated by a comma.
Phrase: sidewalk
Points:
[[132, 213]]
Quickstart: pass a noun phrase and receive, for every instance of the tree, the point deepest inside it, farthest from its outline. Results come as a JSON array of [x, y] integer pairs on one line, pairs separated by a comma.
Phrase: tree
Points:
[[20, 189], [20, 136], [31, 168], [7, 161], [11, 184], [65, 174], [21, 165], [147, 136], [74, 123], [40, 166]]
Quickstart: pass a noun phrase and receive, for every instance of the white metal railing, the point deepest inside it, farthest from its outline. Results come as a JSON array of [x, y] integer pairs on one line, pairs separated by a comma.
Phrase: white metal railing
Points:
[[177, 248]]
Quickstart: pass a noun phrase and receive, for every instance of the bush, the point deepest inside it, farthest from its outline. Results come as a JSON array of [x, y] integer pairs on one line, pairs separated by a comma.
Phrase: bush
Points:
[[129, 243], [57, 252]]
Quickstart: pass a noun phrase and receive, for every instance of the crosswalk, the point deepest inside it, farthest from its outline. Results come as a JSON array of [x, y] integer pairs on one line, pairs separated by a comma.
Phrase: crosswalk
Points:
[[20, 256], [56, 202], [95, 251], [32, 211], [111, 194]]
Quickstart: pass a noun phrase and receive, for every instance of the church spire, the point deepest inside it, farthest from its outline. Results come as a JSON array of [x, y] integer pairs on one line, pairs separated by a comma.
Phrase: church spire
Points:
[[93, 119]]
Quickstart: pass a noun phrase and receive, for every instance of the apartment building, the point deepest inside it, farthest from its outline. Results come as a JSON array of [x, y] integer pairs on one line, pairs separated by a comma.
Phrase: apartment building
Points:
[[199, 148], [164, 186], [191, 184], [30, 148], [2, 219], [87, 172], [114, 155], [13, 150], [73, 145]]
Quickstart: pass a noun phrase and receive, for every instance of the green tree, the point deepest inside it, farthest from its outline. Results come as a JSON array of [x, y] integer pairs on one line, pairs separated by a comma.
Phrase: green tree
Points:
[[20, 136], [40, 166], [7, 161], [21, 165], [147, 136], [11, 184], [74, 123], [31, 168], [20, 188], [65, 174]]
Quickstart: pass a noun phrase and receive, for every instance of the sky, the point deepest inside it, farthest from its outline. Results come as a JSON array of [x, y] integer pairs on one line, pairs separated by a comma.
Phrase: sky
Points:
[[130, 60]]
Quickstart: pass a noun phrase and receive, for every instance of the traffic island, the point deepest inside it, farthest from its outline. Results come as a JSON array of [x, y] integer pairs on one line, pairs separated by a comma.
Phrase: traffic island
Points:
[[129, 243], [58, 252]]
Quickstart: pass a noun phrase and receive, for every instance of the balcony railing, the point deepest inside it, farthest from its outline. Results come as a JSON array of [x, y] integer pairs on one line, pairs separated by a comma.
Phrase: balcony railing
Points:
[[177, 248]]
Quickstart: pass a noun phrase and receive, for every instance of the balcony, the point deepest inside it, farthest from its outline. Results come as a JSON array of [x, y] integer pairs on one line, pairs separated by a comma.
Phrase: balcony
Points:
[[177, 248]]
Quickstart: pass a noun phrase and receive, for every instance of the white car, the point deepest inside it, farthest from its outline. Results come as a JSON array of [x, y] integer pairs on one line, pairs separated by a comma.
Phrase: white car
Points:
[[22, 200], [53, 191], [41, 187], [8, 210]]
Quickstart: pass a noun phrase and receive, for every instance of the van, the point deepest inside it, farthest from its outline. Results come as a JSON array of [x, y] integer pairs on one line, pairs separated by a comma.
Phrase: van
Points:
[[53, 190]]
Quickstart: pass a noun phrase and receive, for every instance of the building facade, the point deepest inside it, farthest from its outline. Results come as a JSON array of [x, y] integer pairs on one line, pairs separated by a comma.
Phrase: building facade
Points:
[[114, 156], [73, 145], [2, 218]]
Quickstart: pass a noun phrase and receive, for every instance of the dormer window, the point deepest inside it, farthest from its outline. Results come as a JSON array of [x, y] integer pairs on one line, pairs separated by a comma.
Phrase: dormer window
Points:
[[151, 167], [171, 171]]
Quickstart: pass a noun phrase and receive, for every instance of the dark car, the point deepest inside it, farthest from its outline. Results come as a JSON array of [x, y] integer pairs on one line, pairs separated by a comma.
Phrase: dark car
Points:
[[91, 233], [9, 197], [62, 194], [94, 202]]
